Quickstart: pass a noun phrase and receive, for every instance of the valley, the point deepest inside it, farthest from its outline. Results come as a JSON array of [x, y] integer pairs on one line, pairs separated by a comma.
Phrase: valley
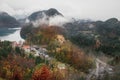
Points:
[[48, 46]]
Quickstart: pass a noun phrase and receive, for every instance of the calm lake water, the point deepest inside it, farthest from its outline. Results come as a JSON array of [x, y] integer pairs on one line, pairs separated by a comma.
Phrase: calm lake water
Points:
[[10, 34]]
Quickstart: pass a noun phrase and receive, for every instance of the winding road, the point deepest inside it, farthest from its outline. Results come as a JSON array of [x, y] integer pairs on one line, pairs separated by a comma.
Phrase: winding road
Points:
[[101, 68]]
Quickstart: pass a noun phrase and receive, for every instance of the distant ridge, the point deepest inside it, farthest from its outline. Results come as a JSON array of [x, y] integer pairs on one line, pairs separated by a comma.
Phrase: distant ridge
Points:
[[7, 21]]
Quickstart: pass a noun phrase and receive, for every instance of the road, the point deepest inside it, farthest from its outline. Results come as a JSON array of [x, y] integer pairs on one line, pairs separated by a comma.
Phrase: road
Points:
[[101, 68]]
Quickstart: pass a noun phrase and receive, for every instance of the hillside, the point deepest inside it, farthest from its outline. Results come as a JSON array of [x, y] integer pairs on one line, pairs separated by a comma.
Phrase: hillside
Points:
[[7, 21], [96, 35], [91, 47]]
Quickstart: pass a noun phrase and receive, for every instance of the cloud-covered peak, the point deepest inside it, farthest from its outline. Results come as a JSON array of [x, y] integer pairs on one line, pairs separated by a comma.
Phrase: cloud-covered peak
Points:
[[44, 14], [47, 17]]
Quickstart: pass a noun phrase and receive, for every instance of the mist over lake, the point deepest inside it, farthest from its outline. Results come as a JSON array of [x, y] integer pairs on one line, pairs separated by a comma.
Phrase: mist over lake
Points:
[[10, 34], [6, 31]]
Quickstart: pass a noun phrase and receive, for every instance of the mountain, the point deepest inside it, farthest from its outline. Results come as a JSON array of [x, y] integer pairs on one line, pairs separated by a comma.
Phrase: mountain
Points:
[[45, 13], [109, 28], [104, 34], [98, 35], [7, 21], [41, 16]]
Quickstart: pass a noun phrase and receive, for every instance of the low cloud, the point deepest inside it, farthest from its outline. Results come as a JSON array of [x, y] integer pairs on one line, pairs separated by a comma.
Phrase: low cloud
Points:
[[6, 8], [41, 21], [84, 9], [56, 20]]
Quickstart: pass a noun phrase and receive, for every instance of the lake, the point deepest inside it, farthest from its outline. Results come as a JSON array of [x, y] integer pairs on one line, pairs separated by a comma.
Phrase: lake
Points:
[[10, 34]]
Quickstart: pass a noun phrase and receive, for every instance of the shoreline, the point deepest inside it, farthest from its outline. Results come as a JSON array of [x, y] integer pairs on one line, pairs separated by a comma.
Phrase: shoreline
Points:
[[15, 36]]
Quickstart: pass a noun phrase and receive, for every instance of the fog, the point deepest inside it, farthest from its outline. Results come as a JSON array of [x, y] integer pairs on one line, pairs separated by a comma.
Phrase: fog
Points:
[[88, 9], [56, 20]]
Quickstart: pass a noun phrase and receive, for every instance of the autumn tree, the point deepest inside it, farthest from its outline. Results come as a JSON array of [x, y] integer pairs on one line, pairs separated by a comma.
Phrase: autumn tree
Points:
[[15, 67], [42, 73]]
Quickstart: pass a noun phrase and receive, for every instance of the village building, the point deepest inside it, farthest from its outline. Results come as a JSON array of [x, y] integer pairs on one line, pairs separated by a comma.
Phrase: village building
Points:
[[26, 48]]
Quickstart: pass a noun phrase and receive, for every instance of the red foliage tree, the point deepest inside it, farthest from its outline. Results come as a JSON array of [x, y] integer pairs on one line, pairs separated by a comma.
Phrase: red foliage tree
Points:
[[42, 74]]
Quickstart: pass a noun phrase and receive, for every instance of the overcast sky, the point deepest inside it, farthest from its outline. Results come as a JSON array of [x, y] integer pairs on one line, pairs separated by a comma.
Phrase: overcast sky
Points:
[[83, 9]]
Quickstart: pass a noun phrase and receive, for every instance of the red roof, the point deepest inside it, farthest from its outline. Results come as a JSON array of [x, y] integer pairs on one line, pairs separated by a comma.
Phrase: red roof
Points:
[[26, 47]]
